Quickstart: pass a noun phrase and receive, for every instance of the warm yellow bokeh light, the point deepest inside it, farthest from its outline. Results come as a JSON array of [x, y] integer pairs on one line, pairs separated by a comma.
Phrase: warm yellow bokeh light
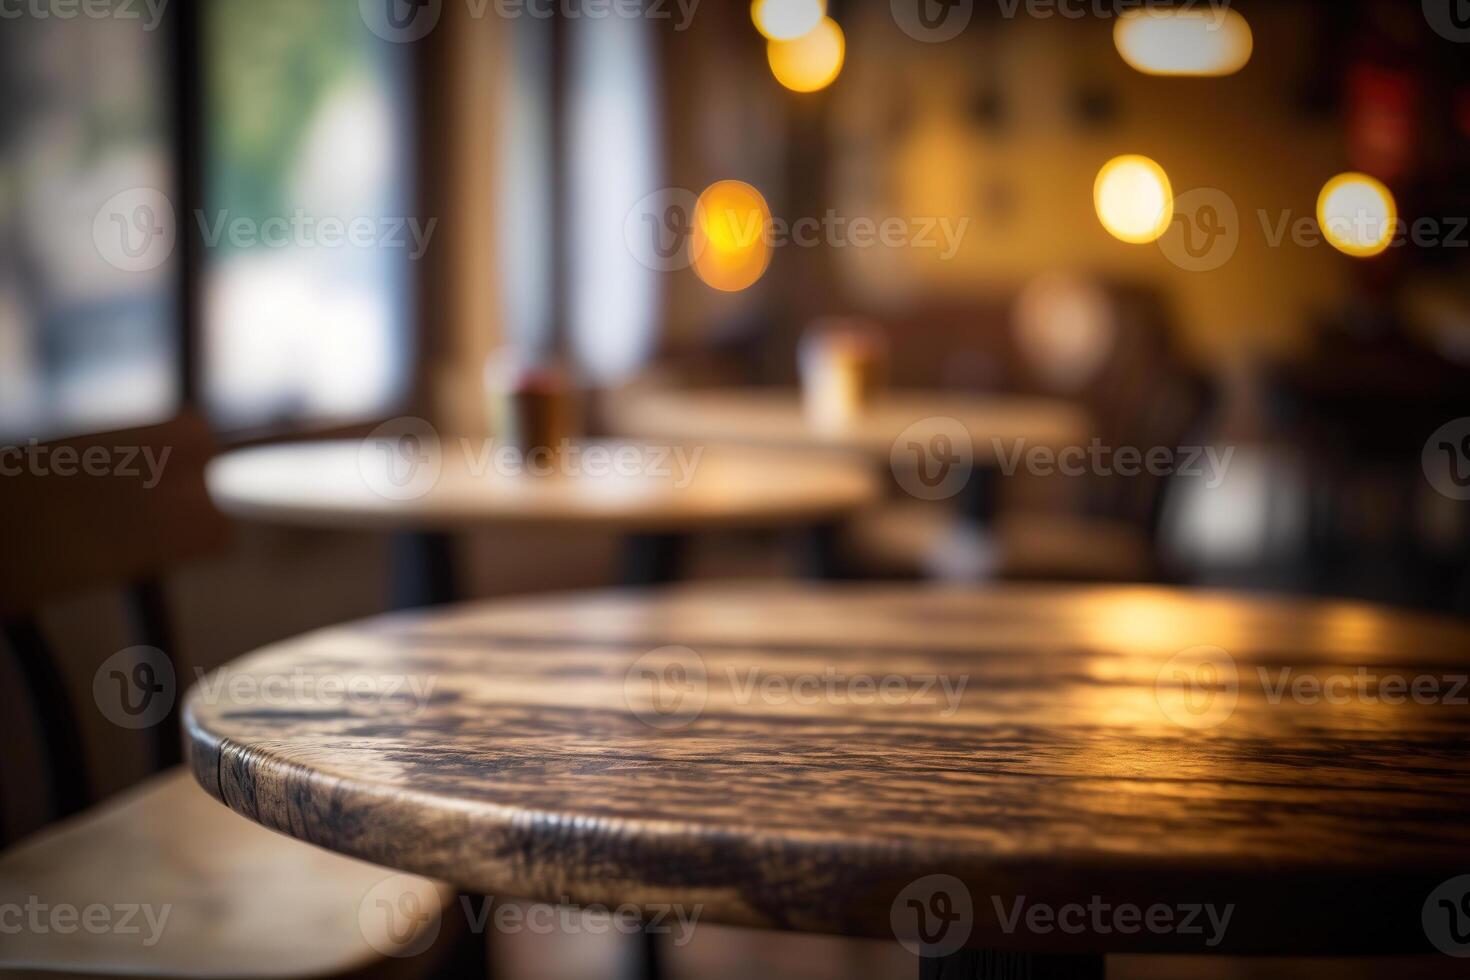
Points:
[[1133, 199], [730, 247], [787, 20], [1357, 215], [1175, 41], [810, 62]]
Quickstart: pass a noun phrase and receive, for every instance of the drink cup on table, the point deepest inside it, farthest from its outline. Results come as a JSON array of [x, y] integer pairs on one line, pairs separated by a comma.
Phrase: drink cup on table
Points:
[[843, 362], [531, 409]]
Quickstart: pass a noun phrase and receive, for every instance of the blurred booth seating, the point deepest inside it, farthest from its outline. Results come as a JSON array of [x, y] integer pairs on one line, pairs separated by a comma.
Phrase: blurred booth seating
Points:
[[1106, 347]]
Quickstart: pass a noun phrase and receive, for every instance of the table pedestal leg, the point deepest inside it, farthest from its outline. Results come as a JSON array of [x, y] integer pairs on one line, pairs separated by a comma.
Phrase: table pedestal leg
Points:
[[645, 962], [422, 570], [980, 500], [468, 955], [652, 559], [971, 964], [821, 553]]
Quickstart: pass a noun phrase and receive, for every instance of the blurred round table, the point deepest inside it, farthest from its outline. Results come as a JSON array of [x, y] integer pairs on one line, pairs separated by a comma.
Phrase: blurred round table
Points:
[[775, 417], [656, 495], [1047, 775]]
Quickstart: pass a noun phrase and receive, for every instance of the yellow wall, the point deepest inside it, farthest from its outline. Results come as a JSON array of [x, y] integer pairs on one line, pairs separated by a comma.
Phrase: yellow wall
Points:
[[1244, 135]]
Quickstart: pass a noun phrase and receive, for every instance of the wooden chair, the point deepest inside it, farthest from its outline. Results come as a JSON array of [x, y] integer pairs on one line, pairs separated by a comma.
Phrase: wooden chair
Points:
[[242, 901]]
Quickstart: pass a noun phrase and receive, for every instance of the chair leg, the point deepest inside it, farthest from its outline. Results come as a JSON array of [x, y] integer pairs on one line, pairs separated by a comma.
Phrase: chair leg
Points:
[[66, 763], [972, 964]]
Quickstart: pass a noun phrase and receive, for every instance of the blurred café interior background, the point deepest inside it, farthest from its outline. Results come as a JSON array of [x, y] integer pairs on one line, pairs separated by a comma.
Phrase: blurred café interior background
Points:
[[1235, 237]]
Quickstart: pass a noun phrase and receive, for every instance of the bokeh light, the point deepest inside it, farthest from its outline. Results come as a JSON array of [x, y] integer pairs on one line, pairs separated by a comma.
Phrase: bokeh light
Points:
[[1357, 215], [730, 246], [787, 20], [1175, 41], [810, 62], [1133, 199]]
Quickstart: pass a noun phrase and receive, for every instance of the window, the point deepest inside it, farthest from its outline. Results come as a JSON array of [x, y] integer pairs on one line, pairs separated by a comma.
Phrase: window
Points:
[[88, 270], [308, 234]]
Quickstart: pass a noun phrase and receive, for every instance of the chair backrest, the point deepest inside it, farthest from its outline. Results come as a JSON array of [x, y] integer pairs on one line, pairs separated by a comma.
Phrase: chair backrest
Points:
[[116, 510], [1146, 396]]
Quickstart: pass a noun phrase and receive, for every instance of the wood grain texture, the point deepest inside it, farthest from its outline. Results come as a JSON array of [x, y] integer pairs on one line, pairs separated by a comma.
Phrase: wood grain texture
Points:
[[774, 417], [1061, 773], [339, 484]]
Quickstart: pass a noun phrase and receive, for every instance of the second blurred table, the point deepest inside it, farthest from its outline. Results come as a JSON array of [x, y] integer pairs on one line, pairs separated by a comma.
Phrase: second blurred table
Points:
[[775, 417], [656, 498]]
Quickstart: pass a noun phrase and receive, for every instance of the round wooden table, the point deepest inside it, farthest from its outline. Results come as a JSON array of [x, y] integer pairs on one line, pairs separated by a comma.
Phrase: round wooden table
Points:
[[655, 494], [775, 417], [1019, 778]]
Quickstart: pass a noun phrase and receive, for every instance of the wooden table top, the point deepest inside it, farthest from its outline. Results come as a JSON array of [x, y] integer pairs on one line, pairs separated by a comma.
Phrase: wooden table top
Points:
[[623, 486], [800, 757], [774, 417]]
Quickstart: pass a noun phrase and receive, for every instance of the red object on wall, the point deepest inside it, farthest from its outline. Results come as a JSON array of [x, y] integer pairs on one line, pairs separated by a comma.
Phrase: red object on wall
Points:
[[1383, 120]]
